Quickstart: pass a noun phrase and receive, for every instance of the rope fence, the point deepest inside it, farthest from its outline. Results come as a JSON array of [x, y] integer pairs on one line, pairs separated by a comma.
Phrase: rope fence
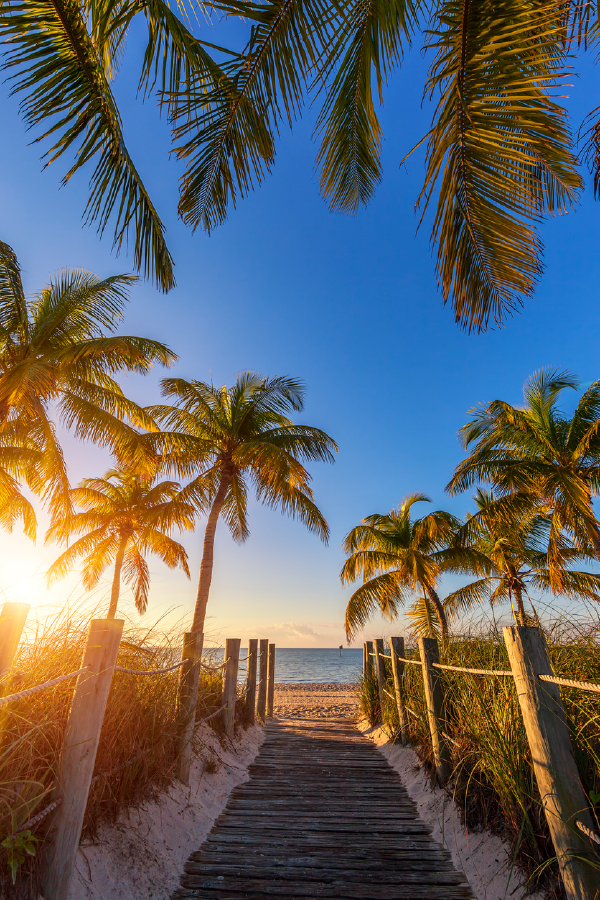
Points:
[[41, 687], [150, 671], [494, 672]]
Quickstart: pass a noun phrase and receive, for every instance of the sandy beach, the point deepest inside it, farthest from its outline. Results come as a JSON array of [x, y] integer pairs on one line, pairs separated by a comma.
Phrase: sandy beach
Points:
[[315, 701]]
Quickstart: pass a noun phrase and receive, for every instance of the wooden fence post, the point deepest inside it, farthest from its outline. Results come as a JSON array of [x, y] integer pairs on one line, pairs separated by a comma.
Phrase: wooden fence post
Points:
[[187, 700], [80, 744], [365, 661], [396, 650], [545, 721], [261, 705], [251, 680], [434, 695], [369, 672], [232, 660], [380, 670], [271, 681], [12, 621]]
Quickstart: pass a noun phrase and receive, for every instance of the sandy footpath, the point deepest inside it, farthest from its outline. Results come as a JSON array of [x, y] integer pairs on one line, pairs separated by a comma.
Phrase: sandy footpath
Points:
[[315, 701], [142, 856]]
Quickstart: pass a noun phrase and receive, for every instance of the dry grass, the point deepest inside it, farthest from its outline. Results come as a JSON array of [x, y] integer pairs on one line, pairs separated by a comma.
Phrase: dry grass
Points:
[[136, 754], [493, 780]]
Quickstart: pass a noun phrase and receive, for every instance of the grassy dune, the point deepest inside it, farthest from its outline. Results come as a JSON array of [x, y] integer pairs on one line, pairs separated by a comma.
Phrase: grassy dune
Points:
[[493, 780]]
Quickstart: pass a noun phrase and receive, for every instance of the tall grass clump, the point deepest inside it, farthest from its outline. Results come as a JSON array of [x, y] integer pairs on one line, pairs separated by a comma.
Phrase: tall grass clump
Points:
[[137, 751], [493, 780]]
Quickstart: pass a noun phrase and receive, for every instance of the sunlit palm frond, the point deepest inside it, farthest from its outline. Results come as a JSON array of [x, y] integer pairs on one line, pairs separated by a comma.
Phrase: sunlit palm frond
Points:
[[422, 618], [499, 151], [56, 68]]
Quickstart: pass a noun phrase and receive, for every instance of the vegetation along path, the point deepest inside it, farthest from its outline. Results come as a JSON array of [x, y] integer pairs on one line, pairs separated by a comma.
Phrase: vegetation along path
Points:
[[322, 815]]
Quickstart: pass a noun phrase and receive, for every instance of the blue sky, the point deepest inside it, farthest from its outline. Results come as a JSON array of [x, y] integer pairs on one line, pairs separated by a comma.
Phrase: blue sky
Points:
[[350, 304]]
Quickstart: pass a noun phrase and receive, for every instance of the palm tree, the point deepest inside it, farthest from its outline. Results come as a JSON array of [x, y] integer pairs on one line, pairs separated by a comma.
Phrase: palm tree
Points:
[[59, 348], [61, 58], [125, 516], [396, 555], [230, 437], [510, 558], [540, 458], [499, 152]]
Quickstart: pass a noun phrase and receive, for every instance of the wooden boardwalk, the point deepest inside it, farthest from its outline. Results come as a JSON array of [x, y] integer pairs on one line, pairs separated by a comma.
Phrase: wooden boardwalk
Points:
[[323, 815]]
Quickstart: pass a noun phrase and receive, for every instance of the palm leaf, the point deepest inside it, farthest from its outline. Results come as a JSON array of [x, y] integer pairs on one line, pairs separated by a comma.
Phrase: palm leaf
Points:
[[57, 68], [500, 149]]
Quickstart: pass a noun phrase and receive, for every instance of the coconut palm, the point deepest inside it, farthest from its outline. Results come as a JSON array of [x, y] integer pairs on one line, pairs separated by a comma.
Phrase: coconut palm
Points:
[[59, 348], [125, 516], [231, 438], [61, 58], [499, 152], [511, 557], [540, 458], [397, 556]]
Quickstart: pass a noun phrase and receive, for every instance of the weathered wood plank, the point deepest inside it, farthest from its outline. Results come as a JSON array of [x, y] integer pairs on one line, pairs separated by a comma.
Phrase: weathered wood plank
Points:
[[322, 815]]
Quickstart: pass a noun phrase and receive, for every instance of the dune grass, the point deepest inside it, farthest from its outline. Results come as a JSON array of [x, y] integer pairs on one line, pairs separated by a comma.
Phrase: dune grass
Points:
[[136, 756], [492, 774]]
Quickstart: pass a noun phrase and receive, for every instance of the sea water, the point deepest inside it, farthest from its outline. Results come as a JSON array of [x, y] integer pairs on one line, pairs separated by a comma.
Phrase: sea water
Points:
[[306, 665]]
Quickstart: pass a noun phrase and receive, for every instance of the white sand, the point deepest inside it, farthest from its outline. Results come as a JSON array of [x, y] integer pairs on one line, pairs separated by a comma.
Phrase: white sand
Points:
[[484, 858], [142, 856]]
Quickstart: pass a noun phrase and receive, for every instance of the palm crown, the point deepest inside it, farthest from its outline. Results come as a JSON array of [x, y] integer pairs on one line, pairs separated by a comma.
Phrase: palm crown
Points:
[[539, 457], [58, 348], [396, 555], [231, 438], [510, 557], [499, 151], [125, 516]]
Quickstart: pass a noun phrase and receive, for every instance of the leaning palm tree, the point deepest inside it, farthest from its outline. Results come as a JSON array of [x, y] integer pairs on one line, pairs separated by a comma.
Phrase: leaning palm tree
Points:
[[540, 458], [59, 347], [229, 438], [510, 558], [396, 555], [124, 517]]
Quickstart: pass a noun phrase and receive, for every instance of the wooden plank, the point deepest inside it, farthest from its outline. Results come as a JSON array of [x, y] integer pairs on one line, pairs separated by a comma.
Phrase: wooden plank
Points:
[[261, 705], [232, 657], [434, 695], [397, 650], [251, 681], [320, 817], [187, 701], [271, 681], [80, 745], [563, 798]]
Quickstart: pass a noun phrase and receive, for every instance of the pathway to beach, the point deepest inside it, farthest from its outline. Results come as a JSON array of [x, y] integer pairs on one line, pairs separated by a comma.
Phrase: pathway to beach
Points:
[[322, 815]]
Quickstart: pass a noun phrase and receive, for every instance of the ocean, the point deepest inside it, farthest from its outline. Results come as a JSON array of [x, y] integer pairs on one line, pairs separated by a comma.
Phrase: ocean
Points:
[[306, 665]]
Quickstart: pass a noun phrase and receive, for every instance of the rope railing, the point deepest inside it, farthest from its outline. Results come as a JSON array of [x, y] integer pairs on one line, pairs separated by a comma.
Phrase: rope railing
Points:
[[41, 815], [412, 662], [150, 671], [588, 832], [568, 682], [215, 668], [41, 687], [500, 672]]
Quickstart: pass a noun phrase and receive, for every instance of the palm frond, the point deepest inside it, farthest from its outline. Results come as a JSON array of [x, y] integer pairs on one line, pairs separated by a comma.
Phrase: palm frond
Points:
[[57, 69], [500, 149]]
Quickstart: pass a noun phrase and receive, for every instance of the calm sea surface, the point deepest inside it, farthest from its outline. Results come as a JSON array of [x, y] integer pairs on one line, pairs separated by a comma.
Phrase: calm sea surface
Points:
[[294, 666]]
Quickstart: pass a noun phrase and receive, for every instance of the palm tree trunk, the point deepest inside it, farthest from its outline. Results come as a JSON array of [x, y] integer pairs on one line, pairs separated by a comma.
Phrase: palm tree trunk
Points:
[[116, 585], [441, 612], [206, 566], [520, 605]]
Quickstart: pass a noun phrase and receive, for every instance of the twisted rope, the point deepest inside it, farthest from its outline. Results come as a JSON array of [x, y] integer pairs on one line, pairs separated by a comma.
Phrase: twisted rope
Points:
[[215, 668], [506, 672], [150, 671], [212, 715], [588, 832], [412, 662], [41, 687], [41, 815], [568, 682]]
